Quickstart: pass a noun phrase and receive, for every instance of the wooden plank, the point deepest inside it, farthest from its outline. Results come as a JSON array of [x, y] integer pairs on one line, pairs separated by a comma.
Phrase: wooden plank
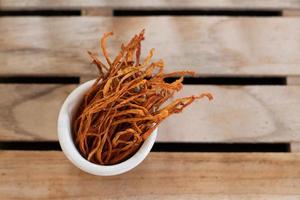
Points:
[[97, 12], [208, 45], [49, 175], [154, 4], [238, 114], [293, 80], [295, 147], [291, 13], [29, 112]]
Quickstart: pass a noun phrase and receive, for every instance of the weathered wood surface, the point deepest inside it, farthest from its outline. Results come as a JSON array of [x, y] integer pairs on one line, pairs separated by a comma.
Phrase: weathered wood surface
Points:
[[295, 147], [293, 80], [207, 45], [29, 112], [97, 12], [49, 175], [248, 114], [291, 13], [237, 114], [154, 4]]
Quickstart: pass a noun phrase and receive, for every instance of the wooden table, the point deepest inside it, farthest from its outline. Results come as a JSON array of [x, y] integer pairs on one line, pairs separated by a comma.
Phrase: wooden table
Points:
[[250, 63]]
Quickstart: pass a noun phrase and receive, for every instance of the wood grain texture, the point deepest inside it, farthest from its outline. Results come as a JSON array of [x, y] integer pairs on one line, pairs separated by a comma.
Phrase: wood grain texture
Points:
[[29, 112], [154, 4], [49, 175], [208, 45], [238, 114]]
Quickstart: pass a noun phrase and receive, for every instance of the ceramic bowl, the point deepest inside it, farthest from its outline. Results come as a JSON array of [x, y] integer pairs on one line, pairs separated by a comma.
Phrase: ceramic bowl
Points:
[[64, 127]]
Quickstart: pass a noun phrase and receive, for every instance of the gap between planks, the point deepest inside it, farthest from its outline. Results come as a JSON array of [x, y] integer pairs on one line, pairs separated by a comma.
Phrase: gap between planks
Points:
[[161, 176], [141, 12], [164, 147]]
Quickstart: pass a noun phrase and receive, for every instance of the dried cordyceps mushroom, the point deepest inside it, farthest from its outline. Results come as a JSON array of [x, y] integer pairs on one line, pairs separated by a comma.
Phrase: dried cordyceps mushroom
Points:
[[123, 106]]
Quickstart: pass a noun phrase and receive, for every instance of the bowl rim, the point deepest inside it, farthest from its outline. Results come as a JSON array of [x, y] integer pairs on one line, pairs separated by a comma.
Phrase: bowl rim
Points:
[[68, 147]]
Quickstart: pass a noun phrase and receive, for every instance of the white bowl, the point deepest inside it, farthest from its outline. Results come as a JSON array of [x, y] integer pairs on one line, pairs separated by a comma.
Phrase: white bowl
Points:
[[64, 127]]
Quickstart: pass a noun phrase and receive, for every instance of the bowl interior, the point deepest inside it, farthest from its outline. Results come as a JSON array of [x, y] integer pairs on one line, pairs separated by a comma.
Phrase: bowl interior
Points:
[[67, 112]]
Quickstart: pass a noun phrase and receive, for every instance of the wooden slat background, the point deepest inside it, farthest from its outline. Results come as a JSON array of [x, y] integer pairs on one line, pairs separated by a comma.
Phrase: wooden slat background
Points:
[[211, 46], [153, 4], [30, 112], [238, 114], [40, 175], [208, 45]]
